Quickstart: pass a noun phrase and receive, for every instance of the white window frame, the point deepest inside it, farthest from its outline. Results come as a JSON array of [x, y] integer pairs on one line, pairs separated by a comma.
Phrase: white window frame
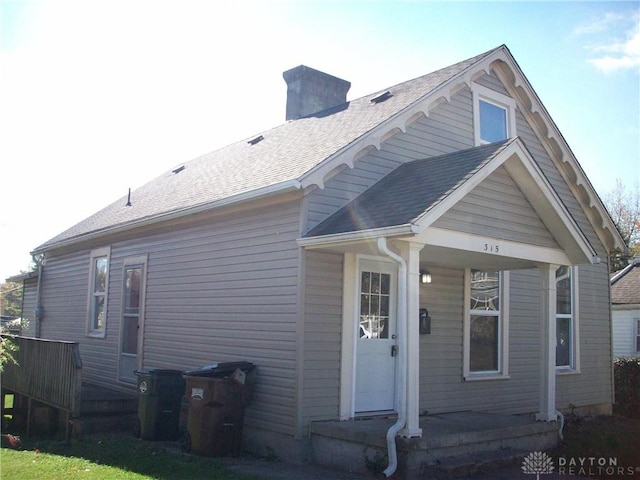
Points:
[[636, 337], [482, 93], [104, 252], [503, 334], [574, 356]]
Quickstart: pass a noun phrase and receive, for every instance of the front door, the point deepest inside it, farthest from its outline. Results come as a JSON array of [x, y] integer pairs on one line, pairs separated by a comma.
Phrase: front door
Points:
[[376, 337], [132, 316]]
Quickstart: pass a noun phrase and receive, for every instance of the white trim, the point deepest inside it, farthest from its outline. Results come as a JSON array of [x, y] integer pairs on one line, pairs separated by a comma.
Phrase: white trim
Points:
[[141, 261], [348, 348], [481, 244], [97, 253], [357, 236], [498, 99]]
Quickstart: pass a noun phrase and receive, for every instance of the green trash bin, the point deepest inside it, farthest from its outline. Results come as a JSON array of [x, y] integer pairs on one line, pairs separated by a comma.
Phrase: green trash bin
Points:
[[160, 395], [217, 396]]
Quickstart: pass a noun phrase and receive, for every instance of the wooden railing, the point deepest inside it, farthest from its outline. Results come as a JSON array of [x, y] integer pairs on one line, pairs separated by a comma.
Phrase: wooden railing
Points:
[[47, 371]]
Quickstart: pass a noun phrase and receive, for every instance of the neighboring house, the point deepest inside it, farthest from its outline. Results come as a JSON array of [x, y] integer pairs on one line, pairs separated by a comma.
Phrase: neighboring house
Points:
[[625, 310], [303, 248]]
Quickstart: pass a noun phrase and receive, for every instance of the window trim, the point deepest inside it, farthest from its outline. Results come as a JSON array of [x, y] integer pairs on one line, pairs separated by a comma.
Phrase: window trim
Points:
[[96, 254], [636, 337], [488, 95], [503, 334], [574, 366]]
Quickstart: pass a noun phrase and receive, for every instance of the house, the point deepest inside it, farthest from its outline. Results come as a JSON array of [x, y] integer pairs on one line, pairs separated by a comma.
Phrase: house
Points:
[[625, 310], [307, 249]]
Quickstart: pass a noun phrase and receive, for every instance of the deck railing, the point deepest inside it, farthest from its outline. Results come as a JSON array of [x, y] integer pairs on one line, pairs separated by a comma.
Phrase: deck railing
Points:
[[48, 371]]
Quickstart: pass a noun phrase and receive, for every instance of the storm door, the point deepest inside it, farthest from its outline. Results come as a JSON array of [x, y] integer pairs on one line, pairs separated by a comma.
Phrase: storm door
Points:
[[132, 320], [376, 337]]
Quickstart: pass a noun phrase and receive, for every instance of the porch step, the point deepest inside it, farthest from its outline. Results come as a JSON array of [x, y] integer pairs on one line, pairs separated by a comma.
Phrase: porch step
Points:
[[463, 466], [100, 400], [89, 424]]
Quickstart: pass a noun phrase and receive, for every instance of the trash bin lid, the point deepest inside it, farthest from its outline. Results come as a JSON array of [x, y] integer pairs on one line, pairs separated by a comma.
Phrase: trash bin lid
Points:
[[220, 370], [157, 372]]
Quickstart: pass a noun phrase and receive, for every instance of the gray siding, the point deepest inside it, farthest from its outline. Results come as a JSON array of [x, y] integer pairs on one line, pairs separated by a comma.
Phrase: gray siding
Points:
[[448, 128], [624, 332], [322, 336], [497, 205], [29, 297], [221, 288]]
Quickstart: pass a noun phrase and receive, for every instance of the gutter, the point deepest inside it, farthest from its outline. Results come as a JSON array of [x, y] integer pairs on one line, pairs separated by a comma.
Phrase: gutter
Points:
[[289, 185], [359, 235], [401, 379]]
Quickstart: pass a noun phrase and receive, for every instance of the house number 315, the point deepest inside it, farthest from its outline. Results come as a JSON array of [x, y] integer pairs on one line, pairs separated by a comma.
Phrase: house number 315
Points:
[[489, 247]]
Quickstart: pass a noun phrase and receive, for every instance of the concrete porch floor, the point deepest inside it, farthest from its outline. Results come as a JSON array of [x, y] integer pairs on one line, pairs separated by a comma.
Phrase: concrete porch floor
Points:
[[451, 438]]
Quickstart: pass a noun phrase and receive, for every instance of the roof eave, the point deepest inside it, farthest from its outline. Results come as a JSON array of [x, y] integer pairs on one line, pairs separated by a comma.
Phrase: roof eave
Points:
[[358, 236], [282, 187]]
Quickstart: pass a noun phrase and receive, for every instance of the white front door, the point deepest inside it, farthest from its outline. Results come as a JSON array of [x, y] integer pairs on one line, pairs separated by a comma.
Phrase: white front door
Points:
[[376, 337]]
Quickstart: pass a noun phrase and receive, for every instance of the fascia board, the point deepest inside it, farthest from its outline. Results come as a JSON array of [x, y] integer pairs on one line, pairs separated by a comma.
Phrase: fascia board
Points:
[[357, 236], [567, 156], [283, 187]]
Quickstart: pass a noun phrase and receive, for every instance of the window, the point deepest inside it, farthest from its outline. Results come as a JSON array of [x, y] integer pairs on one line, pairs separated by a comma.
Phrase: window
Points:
[[98, 286], [485, 325], [494, 115], [375, 291], [566, 323], [637, 335]]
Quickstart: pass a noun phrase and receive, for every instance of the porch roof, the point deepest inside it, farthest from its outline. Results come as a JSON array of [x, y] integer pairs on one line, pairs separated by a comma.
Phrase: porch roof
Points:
[[409, 191]]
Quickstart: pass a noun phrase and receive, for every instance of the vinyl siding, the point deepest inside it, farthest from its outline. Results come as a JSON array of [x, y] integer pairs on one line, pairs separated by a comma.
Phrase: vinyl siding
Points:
[[322, 336], [497, 205], [448, 128], [221, 288], [29, 304], [625, 333]]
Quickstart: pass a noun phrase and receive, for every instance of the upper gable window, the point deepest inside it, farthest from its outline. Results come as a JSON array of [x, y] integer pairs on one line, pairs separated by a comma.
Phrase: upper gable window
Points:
[[493, 115]]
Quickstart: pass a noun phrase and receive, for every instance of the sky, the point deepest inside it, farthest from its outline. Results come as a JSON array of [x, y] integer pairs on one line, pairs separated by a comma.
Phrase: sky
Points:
[[97, 97]]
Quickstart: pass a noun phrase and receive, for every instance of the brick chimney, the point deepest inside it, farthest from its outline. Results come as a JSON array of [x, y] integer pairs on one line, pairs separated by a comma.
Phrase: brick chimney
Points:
[[310, 91]]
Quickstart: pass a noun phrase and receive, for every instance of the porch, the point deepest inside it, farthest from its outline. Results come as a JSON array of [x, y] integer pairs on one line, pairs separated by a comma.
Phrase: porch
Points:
[[452, 444], [43, 393]]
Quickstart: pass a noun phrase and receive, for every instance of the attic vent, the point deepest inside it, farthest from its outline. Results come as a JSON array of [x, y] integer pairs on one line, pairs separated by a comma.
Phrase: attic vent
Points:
[[258, 139], [177, 170], [381, 98]]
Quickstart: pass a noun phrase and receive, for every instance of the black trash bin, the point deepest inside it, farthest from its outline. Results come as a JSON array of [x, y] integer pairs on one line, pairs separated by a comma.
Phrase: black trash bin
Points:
[[217, 397], [160, 395]]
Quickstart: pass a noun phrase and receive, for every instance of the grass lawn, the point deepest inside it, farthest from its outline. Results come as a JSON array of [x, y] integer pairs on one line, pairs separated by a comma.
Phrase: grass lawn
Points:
[[106, 457]]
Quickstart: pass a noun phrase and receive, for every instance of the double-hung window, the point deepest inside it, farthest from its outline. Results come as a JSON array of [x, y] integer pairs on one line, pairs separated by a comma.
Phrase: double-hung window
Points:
[[493, 114], [486, 326], [566, 319], [98, 288]]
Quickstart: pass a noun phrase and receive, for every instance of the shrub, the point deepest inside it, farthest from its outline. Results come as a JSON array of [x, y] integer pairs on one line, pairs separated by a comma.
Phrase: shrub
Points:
[[626, 374]]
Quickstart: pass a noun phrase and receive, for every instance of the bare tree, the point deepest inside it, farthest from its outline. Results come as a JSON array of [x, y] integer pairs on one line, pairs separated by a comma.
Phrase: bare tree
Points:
[[624, 207]]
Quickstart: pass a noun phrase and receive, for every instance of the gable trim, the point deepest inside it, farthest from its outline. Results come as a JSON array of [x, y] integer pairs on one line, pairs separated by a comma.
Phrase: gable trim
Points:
[[520, 164]]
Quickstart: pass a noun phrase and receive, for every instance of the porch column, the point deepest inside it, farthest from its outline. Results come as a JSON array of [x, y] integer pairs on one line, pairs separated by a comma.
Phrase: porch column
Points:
[[411, 253], [547, 410]]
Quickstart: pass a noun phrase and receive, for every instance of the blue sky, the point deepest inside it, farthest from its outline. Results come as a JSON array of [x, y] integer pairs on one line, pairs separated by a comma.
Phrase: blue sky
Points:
[[100, 96]]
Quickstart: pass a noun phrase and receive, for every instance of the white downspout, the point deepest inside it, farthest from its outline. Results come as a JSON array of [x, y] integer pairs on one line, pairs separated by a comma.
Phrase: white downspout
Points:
[[401, 381]]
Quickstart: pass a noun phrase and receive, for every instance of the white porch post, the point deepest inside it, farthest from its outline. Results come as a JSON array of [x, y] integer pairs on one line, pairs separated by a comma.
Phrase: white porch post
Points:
[[411, 253], [547, 411]]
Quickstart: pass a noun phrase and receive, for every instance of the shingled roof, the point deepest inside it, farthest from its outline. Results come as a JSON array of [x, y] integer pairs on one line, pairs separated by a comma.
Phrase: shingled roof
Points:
[[625, 285], [275, 159], [409, 191]]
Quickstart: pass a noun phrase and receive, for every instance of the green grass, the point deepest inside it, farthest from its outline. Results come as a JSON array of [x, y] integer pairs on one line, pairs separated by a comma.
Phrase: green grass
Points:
[[106, 457]]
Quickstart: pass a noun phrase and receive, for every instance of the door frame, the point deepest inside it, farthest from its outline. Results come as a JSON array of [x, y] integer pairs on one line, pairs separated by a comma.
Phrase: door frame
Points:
[[350, 313], [130, 262]]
